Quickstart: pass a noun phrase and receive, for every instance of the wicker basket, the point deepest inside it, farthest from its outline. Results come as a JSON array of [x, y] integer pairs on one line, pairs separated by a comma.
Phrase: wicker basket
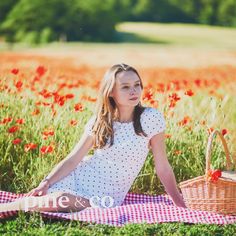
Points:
[[219, 196]]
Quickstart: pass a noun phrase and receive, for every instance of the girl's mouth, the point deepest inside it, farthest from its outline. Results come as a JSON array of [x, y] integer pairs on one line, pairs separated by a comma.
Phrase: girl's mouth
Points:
[[133, 99]]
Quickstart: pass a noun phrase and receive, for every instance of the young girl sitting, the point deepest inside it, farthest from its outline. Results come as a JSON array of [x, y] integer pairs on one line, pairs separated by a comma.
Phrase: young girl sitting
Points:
[[121, 131]]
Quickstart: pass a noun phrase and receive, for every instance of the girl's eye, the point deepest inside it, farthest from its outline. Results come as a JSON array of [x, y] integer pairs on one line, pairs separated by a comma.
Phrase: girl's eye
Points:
[[126, 87]]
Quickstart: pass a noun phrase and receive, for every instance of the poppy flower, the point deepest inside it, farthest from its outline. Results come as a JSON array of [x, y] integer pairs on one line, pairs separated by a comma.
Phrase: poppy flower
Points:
[[15, 71], [73, 122], [174, 96], [224, 132], [78, 107], [6, 120], [148, 95], [30, 146], [185, 120], [35, 112], [18, 84], [46, 149], [214, 175], [16, 141], [189, 92], [69, 96], [47, 132], [20, 121], [41, 70], [13, 129]]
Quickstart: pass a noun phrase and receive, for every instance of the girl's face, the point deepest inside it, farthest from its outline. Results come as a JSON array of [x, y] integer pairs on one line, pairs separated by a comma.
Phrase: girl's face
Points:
[[127, 90]]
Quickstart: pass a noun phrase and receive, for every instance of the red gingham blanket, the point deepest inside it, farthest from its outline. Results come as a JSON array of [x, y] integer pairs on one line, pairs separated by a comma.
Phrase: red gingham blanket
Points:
[[136, 208]]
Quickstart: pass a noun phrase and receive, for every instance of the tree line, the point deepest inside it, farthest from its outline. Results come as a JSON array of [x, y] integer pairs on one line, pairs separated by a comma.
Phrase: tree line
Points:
[[41, 21]]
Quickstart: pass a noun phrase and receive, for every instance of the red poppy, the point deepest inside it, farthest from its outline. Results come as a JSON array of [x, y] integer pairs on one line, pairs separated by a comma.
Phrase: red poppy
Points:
[[177, 152], [13, 129], [148, 95], [6, 120], [73, 122], [69, 96], [224, 131], [16, 141], [48, 132], [46, 149], [210, 130], [185, 120], [35, 112], [30, 146], [19, 84], [15, 71], [214, 175], [20, 121], [45, 93], [41, 70], [189, 92], [78, 107], [174, 96]]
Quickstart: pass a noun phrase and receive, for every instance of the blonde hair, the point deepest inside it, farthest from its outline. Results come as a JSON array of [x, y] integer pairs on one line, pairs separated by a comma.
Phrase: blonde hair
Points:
[[106, 109]]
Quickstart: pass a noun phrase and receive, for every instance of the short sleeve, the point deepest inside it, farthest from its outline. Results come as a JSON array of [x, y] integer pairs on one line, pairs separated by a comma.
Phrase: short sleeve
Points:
[[152, 121], [89, 125]]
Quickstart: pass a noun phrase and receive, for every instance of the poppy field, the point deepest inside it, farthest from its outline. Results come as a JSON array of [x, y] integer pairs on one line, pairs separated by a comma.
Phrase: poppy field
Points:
[[45, 104]]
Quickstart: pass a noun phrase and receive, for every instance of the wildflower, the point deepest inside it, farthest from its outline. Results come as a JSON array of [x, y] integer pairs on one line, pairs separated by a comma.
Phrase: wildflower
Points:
[[168, 135], [78, 107], [20, 121], [189, 92], [16, 141], [69, 96], [177, 152], [73, 122], [35, 112], [213, 175], [13, 129], [18, 84], [15, 71], [6, 120], [224, 132], [41, 70], [30, 146], [185, 120], [148, 95], [46, 149]]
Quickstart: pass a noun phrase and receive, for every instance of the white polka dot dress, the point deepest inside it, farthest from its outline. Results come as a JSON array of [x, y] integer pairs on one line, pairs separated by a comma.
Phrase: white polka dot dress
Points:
[[106, 176]]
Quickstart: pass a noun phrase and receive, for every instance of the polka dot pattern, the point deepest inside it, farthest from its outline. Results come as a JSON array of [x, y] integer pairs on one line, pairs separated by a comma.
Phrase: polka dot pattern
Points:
[[110, 171]]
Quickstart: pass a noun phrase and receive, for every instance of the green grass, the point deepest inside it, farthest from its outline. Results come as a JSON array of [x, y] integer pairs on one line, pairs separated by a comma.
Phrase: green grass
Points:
[[147, 34], [179, 35], [34, 224]]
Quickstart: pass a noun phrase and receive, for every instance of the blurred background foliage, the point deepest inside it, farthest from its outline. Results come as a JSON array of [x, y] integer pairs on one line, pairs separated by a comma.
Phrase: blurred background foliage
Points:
[[42, 21]]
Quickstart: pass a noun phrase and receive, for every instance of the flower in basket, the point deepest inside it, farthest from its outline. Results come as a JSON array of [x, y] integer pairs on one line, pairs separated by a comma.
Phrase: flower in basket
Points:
[[214, 175]]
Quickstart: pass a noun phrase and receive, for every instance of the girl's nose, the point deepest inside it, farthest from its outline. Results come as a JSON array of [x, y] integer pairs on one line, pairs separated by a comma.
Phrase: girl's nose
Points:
[[132, 90]]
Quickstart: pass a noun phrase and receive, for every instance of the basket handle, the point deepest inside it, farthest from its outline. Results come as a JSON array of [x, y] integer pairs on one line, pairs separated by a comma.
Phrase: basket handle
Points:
[[209, 147]]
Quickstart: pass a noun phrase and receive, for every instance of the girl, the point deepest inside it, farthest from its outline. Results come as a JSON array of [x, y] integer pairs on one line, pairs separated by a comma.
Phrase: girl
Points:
[[121, 131]]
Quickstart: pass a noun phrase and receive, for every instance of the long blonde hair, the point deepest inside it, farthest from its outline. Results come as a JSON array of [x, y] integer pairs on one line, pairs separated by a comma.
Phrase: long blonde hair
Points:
[[106, 109]]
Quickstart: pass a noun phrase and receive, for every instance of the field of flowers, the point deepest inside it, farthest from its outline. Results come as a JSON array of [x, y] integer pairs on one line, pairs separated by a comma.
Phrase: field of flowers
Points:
[[45, 103]]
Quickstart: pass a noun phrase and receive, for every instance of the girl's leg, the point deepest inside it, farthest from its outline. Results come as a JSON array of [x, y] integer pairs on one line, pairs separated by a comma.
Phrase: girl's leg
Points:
[[53, 202]]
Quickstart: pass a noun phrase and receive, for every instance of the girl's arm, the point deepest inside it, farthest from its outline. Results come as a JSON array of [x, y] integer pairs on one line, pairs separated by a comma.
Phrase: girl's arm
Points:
[[64, 167], [164, 170]]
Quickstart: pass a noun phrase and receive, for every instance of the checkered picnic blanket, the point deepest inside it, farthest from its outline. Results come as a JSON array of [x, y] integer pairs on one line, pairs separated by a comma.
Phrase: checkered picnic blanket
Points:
[[136, 208]]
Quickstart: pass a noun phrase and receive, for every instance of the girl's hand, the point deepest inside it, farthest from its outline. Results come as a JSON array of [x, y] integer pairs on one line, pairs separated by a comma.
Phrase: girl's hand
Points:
[[40, 190], [180, 202]]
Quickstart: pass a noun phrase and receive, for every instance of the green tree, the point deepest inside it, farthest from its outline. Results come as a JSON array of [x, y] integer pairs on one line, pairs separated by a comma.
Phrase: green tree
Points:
[[61, 19]]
